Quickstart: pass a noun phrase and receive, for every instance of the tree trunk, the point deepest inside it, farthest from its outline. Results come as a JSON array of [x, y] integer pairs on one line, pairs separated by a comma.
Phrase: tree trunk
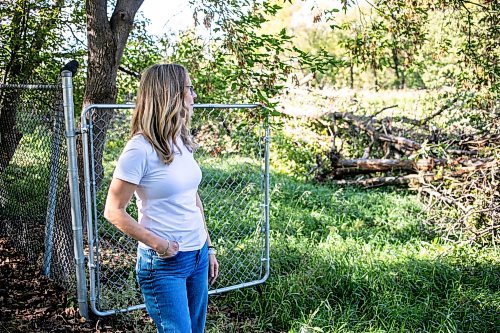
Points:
[[374, 70], [396, 65], [351, 75], [10, 136], [106, 42], [403, 81]]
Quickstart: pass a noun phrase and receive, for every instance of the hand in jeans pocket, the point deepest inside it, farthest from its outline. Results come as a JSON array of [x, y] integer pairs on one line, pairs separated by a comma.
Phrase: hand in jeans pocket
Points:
[[169, 250]]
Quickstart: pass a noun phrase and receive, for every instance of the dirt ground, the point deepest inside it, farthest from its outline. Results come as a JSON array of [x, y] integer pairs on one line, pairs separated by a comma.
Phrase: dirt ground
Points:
[[29, 302]]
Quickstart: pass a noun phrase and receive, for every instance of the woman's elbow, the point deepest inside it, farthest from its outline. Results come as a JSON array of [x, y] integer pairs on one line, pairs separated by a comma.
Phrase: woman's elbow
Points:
[[109, 214]]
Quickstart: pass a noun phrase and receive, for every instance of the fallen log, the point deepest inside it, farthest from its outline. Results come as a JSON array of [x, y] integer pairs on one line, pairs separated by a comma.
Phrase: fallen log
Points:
[[415, 179], [462, 152], [399, 142], [475, 167], [351, 167], [376, 164], [363, 166]]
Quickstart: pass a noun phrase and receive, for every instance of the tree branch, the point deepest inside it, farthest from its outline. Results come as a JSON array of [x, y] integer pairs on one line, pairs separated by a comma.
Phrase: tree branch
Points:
[[129, 72], [398, 142], [121, 23], [383, 109]]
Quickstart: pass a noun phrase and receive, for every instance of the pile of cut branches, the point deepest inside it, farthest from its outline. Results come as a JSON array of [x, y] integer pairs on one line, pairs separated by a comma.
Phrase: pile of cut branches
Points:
[[455, 166]]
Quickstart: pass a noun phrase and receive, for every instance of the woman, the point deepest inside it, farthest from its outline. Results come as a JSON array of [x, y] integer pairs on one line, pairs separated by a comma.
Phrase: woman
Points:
[[175, 257]]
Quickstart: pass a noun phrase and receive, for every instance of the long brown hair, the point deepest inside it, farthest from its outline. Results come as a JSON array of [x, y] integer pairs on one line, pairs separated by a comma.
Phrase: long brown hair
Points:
[[161, 114]]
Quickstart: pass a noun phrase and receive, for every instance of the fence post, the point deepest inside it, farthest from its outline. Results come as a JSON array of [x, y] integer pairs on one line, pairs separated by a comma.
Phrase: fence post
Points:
[[76, 216], [266, 189]]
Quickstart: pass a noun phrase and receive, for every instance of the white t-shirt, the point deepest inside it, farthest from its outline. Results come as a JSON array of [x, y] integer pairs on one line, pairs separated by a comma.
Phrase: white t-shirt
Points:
[[166, 194]]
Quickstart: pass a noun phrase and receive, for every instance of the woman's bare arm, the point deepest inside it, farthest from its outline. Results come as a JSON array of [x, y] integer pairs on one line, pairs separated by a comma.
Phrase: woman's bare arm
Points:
[[119, 194], [213, 269]]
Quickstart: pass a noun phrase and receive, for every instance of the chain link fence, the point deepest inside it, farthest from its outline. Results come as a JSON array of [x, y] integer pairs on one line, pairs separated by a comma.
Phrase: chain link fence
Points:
[[36, 205], [35, 212], [232, 153]]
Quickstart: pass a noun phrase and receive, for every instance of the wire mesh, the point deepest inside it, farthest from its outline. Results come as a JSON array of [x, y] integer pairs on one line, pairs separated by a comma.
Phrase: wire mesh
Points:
[[231, 154], [34, 205]]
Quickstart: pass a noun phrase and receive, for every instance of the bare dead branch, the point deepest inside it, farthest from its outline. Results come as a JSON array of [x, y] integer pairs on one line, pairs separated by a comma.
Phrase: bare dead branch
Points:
[[444, 198], [438, 112], [398, 142], [383, 109]]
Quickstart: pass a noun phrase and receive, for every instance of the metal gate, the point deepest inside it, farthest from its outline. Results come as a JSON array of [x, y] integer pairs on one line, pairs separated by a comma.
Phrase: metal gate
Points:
[[233, 153]]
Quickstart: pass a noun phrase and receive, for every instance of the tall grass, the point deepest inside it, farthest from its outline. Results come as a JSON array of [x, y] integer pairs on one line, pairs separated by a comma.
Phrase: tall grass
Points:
[[350, 260]]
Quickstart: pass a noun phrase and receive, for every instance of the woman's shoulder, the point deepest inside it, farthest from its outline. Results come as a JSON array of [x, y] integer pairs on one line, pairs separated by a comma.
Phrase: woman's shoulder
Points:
[[139, 142]]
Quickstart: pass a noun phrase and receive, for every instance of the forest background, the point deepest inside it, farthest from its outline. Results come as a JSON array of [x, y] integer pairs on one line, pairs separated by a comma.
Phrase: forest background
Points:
[[398, 83]]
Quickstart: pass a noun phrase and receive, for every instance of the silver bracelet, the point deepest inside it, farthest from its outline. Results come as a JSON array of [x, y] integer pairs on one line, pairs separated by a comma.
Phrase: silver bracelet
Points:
[[165, 252]]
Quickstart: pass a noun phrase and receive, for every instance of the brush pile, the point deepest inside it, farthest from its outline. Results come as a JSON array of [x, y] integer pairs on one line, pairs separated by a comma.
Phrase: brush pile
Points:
[[454, 162]]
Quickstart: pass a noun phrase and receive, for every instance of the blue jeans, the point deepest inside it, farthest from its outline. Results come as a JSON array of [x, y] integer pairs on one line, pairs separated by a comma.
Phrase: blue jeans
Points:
[[175, 289]]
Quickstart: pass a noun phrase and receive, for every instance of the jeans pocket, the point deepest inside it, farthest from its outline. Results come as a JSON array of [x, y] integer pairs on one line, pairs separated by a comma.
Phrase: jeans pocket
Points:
[[170, 265], [144, 262]]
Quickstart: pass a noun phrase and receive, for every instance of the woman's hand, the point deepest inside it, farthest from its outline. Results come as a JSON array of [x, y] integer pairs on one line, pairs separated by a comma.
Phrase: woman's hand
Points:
[[167, 249], [213, 268]]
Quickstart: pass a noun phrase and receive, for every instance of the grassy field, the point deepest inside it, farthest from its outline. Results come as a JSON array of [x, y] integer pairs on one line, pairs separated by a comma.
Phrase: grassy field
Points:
[[351, 260]]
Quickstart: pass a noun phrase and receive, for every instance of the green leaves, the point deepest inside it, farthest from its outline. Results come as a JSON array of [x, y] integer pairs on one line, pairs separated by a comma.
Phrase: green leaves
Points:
[[34, 37]]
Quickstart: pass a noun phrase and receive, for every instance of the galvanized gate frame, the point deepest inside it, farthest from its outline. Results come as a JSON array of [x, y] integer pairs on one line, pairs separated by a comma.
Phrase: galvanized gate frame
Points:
[[76, 216], [91, 206]]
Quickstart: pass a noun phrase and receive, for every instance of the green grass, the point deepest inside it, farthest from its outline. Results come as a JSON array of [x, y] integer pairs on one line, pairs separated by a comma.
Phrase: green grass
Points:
[[358, 261]]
